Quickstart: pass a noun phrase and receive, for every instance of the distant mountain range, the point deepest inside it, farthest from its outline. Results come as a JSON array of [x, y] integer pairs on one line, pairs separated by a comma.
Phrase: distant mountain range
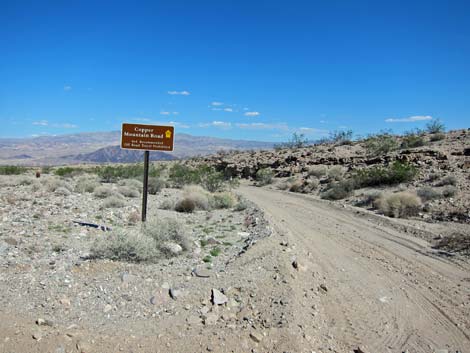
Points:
[[103, 147]]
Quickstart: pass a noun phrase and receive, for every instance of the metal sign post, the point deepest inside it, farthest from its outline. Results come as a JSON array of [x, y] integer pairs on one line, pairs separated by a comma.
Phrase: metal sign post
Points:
[[145, 188], [147, 138]]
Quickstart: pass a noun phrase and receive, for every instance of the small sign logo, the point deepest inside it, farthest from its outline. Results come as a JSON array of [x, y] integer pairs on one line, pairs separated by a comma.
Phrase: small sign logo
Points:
[[168, 134]]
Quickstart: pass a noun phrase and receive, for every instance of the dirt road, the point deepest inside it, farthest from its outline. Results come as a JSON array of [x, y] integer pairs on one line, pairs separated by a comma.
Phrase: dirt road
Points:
[[382, 289]]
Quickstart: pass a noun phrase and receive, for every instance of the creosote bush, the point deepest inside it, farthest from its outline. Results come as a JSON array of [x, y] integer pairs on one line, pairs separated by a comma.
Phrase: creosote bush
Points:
[[338, 190], [264, 176], [437, 137], [401, 204], [449, 191], [412, 141], [155, 185], [336, 173], [128, 191], [12, 170], [86, 183], [317, 171], [380, 144], [448, 180], [223, 200], [427, 193], [396, 173], [198, 195]]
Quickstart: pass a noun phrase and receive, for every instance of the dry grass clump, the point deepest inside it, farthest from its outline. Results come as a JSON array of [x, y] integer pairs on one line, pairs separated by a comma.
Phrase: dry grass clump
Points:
[[86, 183], [114, 201], [103, 191], [336, 173], [223, 200], [167, 231], [264, 176], [128, 191], [155, 185], [241, 205], [311, 185], [401, 204], [25, 180], [132, 183], [134, 217], [317, 171], [167, 204]]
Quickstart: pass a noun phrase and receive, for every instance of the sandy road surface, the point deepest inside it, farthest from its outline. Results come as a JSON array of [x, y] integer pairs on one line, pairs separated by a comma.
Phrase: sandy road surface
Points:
[[385, 290]]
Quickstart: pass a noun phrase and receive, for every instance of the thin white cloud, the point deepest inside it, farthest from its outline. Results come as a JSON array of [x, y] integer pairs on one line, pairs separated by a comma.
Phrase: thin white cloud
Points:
[[217, 109], [218, 124], [312, 131], [410, 119], [217, 104], [228, 110], [65, 126], [263, 126], [179, 93], [41, 123], [251, 113], [67, 88], [165, 113]]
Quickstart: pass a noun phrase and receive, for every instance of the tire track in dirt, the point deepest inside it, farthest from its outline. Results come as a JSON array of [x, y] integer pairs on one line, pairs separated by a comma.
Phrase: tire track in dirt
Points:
[[384, 291]]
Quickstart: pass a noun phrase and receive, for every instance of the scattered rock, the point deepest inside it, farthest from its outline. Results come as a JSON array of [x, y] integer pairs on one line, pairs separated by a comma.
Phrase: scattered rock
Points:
[[107, 308], [44, 322], [218, 298], [201, 272], [172, 248], [256, 336], [324, 287], [175, 293], [210, 319]]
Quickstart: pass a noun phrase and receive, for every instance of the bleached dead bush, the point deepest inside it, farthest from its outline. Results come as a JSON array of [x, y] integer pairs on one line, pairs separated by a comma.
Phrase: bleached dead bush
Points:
[[185, 205], [400, 204], [103, 191], [52, 184], [427, 193], [296, 186], [132, 183], [167, 204], [114, 201], [128, 191], [25, 180], [165, 231], [155, 185], [311, 185]]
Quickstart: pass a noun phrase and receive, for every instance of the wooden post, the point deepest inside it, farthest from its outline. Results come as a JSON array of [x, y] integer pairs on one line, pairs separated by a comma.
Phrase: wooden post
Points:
[[145, 188]]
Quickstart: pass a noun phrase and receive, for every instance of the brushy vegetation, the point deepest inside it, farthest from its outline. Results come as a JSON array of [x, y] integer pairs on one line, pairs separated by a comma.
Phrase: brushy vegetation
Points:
[[395, 173], [12, 170], [197, 195], [336, 173], [103, 191], [52, 184], [341, 137], [185, 205], [114, 201], [317, 171], [449, 191], [412, 140], [128, 191], [203, 175], [448, 180], [427, 193], [155, 185], [68, 171], [380, 144], [86, 183], [264, 176], [296, 186], [339, 190], [113, 173], [155, 241], [401, 204], [437, 137], [435, 127], [223, 200], [296, 141]]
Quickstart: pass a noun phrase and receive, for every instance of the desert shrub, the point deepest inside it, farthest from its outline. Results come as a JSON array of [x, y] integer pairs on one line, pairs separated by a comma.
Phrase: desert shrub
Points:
[[400, 204], [317, 171], [341, 136], [241, 206], [338, 190], [114, 201], [134, 217], [336, 172], [167, 204], [448, 180], [102, 192], [198, 195], [113, 173], [368, 198], [284, 185], [128, 191], [185, 205], [223, 200], [433, 177], [122, 245], [428, 193], [412, 141], [155, 185], [449, 191], [211, 179], [264, 176], [398, 172], [296, 186], [296, 141], [311, 185], [167, 230], [215, 252], [435, 127], [62, 191], [12, 170], [86, 183], [24, 180], [437, 137], [132, 183], [46, 169], [68, 171], [380, 144], [52, 184], [36, 186], [180, 175]]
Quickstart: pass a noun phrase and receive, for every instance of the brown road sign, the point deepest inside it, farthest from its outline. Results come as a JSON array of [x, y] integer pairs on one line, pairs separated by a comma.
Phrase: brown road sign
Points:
[[147, 137]]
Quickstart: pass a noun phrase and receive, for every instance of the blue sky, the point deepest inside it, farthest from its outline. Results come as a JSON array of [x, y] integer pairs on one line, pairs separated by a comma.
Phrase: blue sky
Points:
[[240, 69]]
